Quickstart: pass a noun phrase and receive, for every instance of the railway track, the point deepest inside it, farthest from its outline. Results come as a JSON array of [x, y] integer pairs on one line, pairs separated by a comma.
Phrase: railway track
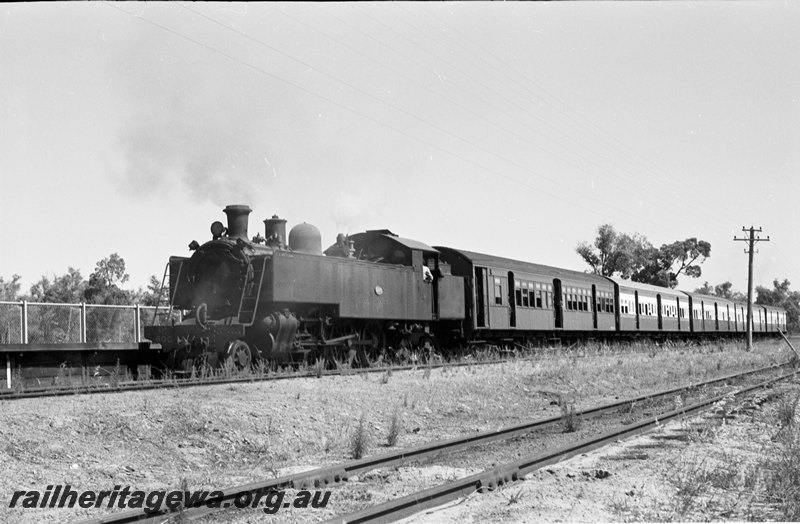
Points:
[[177, 382], [171, 383], [326, 477]]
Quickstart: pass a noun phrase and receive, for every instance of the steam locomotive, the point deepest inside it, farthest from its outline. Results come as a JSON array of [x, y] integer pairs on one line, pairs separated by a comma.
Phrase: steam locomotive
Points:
[[375, 294]]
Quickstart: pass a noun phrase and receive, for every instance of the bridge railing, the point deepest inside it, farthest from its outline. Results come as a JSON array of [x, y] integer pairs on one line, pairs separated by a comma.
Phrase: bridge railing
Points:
[[26, 322]]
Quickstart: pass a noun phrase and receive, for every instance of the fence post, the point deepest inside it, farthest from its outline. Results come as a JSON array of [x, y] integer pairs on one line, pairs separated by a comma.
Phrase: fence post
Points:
[[83, 321], [137, 321], [8, 370], [24, 322]]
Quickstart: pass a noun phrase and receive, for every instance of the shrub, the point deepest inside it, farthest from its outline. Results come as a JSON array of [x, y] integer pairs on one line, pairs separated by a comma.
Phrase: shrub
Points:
[[359, 440], [395, 426]]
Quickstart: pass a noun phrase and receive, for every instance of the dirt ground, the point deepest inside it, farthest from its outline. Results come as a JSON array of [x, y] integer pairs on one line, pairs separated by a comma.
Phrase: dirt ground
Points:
[[696, 470], [222, 436]]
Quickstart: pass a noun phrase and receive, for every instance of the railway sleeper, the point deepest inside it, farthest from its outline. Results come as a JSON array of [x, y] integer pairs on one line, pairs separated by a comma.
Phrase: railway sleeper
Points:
[[493, 479], [322, 479]]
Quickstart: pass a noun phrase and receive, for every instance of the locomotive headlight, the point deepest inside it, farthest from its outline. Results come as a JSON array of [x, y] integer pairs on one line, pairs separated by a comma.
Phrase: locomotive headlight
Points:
[[217, 229]]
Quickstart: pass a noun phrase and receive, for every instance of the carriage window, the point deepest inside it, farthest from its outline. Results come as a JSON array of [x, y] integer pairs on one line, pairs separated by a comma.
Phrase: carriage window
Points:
[[525, 301]]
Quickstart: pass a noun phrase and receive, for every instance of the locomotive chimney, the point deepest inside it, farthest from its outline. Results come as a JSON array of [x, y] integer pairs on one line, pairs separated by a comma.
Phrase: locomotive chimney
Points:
[[237, 221], [275, 229]]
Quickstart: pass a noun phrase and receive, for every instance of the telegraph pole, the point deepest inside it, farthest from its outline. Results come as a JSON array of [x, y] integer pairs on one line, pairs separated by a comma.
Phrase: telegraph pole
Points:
[[753, 238]]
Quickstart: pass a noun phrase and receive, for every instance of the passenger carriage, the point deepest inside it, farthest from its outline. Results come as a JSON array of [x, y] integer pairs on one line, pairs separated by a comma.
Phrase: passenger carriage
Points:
[[648, 308], [510, 297]]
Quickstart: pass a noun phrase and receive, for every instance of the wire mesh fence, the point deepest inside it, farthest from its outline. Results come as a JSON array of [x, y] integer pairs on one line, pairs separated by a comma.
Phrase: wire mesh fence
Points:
[[43, 323], [10, 322], [53, 323]]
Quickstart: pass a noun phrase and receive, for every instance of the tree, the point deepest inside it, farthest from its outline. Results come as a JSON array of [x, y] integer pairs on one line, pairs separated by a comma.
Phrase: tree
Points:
[[66, 289], [685, 253], [9, 291], [9, 319], [149, 296], [724, 290], [615, 253], [104, 283], [782, 296], [634, 257], [706, 289]]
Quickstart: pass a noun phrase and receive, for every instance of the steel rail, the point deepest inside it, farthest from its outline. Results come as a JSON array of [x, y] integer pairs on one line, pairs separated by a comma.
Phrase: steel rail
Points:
[[61, 391], [495, 477], [325, 476]]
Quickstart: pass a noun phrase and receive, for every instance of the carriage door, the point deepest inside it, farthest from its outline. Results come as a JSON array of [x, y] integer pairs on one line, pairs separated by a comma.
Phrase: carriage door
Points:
[[660, 316], [716, 317], [638, 307], [558, 304], [481, 297], [512, 318], [594, 306], [703, 314]]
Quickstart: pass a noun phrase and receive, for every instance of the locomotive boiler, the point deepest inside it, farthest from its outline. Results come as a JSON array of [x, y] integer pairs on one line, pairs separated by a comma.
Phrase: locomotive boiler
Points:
[[281, 300]]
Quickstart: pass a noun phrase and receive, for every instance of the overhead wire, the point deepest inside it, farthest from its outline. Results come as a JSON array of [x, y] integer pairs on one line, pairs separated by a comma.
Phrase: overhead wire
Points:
[[605, 205], [359, 113], [576, 122], [604, 136]]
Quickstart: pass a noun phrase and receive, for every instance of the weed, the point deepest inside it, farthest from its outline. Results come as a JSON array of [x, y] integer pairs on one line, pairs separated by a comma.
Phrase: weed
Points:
[[569, 419], [619, 505], [359, 440], [784, 483], [515, 498], [787, 408], [184, 488], [395, 426], [427, 373], [385, 378], [262, 367], [726, 474], [114, 378], [691, 481]]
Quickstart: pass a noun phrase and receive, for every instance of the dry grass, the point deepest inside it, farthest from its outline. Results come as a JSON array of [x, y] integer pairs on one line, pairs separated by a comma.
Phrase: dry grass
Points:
[[234, 434], [758, 479], [784, 481]]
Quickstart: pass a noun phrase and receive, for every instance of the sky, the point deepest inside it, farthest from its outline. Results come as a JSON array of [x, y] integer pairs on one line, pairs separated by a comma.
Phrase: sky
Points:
[[514, 129]]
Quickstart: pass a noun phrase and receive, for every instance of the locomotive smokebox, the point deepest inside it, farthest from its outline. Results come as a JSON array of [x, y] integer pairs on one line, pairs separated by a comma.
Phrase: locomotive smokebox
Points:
[[275, 230], [237, 221], [305, 238]]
